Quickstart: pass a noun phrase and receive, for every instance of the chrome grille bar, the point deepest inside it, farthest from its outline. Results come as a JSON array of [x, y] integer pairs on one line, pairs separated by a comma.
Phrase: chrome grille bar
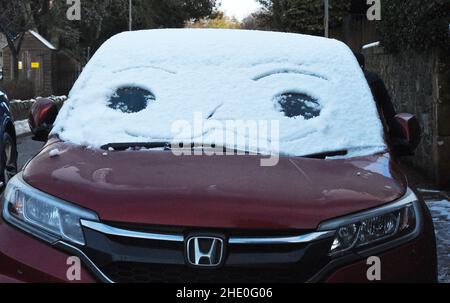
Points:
[[113, 231]]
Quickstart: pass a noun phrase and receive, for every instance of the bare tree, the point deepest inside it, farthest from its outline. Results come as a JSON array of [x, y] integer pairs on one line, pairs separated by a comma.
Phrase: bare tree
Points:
[[15, 21], [100, 20]]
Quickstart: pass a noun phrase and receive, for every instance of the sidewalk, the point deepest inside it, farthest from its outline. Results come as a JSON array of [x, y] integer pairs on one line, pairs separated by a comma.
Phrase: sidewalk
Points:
[[423, 184], [438, 202], [22, 128]]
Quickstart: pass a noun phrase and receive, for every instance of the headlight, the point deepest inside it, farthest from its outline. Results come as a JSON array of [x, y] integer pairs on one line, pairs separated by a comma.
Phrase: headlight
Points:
[[43, 215], [387, 223]]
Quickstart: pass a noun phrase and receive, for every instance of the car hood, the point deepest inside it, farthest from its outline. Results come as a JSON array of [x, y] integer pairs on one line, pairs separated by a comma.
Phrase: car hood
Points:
[[159, 188]]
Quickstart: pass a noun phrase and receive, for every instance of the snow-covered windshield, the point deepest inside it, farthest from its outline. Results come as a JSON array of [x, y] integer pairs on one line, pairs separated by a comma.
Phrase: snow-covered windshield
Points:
[[313, 87]]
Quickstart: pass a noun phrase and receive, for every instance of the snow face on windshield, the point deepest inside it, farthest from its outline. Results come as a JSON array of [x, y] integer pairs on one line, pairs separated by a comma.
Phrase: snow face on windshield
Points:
[[225, 75]]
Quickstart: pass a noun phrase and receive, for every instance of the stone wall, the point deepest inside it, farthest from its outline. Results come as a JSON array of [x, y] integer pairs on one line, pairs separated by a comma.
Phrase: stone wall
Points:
[[3, 43], [20, 109], [420, 84]]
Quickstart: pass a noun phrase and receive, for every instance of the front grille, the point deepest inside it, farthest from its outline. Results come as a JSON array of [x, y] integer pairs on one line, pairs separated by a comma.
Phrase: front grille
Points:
[[125, 272], [130, 260]]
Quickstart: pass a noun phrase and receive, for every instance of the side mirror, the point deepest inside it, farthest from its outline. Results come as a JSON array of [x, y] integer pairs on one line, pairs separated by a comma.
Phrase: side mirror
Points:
[[42, 116], [410, 135]]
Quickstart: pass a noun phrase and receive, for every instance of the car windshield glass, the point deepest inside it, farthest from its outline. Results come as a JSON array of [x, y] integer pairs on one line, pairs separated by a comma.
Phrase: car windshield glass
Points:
[[298, 105], [130, 99]]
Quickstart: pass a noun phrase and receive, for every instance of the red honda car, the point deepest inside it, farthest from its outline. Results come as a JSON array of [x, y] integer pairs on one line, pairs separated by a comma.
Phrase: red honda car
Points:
[[139, 180]]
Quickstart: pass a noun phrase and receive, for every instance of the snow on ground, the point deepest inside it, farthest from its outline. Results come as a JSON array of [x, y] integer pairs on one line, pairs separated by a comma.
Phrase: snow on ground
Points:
[[22, 127], [55, 98], [441, 218], [224, 75]]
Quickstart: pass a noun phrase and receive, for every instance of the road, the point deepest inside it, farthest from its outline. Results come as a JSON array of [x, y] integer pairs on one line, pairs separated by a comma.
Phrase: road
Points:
[[438, 202], [27, 148]]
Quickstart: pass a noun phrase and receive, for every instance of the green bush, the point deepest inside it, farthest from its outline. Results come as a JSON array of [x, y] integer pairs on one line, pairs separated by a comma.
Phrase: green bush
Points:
[[415, 24], [21, 89]]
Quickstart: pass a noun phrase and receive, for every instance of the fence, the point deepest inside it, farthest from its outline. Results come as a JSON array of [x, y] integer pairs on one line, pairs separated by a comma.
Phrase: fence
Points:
[[64, 82], [356, 31]]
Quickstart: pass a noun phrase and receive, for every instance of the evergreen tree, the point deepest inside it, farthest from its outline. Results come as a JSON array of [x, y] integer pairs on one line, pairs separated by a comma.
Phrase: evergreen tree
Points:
[[415, 24], [304, 16]]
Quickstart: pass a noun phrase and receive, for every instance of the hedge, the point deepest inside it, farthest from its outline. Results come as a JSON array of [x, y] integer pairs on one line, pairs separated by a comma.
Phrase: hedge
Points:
[[415, 24], [304, 16]]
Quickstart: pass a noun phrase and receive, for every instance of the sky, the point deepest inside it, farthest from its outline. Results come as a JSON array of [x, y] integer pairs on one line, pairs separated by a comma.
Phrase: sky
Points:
[[239, 8]]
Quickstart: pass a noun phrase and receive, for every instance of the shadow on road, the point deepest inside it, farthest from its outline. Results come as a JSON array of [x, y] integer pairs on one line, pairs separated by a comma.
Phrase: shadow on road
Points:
[[27, 149]]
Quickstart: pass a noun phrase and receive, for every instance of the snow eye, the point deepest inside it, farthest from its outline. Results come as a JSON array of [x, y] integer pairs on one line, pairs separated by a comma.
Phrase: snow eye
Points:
[[295, 105], [131, 99]]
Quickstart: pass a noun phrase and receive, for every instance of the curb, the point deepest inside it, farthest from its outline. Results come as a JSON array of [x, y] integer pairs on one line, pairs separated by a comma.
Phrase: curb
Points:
[[24, 135]]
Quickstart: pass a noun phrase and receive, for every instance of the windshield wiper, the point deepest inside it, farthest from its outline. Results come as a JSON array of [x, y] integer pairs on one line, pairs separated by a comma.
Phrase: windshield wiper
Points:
[[138, 145], [167, 146], [325, 155]]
